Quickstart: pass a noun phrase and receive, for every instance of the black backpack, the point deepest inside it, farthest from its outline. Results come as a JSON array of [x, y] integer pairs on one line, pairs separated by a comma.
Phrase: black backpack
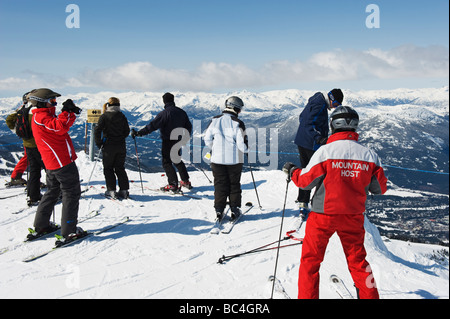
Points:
[[23, 125]]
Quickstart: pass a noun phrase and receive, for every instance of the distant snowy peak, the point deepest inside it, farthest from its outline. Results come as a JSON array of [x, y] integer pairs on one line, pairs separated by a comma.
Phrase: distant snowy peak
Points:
[[277, 100]]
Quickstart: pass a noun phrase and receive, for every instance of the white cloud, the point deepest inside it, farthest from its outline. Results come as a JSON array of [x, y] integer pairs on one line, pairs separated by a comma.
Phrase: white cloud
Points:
[[407, 61], [35, 80], [146, 76]]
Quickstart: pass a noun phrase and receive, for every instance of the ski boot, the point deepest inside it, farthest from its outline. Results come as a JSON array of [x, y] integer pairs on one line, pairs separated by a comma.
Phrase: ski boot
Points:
[[186, 185], [61, 241], [235, 213], [16, 182], [111, 194], [219, 215], [123, 194], [52, 227], [304, 211], [32, 203], [170, 188]]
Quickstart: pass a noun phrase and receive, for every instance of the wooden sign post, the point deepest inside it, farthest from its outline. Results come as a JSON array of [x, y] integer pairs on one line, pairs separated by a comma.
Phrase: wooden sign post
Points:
[[92, 117]]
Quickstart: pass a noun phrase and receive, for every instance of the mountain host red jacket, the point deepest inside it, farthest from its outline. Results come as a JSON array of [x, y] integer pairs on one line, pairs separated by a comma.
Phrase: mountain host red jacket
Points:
[[343, 172], [52, 138]]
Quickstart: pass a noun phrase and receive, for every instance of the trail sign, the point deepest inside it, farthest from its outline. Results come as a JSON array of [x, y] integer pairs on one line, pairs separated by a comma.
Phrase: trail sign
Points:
[[93, 116]]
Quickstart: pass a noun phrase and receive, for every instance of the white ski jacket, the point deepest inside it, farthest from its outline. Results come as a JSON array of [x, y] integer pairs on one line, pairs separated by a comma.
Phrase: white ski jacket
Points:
[[226, 138]]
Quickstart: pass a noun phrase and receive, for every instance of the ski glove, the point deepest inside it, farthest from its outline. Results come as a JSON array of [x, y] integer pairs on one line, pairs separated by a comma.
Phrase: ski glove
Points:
[[289, 168], [102, 143], [70, 107], [135, 133], [323, 140]]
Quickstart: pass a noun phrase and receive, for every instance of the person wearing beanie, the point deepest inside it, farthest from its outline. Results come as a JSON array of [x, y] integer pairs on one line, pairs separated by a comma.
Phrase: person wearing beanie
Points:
[[172, 120], [110, 133], [312, 133], [168, 98]]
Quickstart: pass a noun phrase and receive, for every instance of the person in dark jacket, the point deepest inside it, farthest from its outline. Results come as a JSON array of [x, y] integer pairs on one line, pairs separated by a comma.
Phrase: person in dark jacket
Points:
[[31, 158], [172, 120], [313, 133], [110, 133]]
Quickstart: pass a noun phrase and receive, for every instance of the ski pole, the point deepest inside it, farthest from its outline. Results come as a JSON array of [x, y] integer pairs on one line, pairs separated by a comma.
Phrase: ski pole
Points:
[[281, 231], [258, 250], [254, 184], [289, 233], [95, 164], [204, 173], [139, 164], [202, 170]]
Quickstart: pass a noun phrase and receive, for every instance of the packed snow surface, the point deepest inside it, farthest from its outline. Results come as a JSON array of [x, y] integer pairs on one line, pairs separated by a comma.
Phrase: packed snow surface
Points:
[[167, 251]]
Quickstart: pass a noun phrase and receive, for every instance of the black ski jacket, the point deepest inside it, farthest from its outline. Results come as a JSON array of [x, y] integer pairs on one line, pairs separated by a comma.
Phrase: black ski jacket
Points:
[[166, 121], [114, 126]]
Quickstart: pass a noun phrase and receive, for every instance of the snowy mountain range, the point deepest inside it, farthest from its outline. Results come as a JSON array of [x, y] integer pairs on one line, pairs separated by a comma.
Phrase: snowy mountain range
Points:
[[408, 128]]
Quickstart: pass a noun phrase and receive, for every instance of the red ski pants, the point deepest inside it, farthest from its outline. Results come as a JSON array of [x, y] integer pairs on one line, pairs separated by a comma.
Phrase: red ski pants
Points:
[[350, 229], [21, 167]]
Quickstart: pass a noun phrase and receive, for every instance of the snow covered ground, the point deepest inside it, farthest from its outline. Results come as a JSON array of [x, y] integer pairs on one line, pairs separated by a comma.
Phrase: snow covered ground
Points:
[[166, 250]]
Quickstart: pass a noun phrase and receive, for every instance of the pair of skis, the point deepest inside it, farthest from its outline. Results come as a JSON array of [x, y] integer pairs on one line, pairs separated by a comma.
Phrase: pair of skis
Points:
[[174, 193], [335, 282], [11, 196], [45, 235], [9, 186], [53, 233], [224, 225], [340, 288], [77, 240]]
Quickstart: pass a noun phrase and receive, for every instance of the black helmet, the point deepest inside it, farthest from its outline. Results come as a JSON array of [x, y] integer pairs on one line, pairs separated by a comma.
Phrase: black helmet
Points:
[[234, 103], [40, 97], [344, 118]]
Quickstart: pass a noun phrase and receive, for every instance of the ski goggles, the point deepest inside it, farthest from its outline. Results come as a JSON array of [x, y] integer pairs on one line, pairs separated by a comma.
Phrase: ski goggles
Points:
[[334, 103], [52, 101]]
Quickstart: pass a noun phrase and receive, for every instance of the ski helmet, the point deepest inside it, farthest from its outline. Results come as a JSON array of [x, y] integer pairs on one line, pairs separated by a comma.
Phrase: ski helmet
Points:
[[344, 118], [234, 103], [40, 97]]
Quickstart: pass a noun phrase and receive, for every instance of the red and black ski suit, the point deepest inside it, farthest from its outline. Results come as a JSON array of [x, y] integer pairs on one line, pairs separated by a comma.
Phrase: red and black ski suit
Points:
[[58, 154], [343, 172]]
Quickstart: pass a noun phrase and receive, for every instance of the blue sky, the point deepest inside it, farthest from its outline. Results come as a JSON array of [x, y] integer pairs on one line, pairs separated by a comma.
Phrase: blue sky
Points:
[[222, 46]]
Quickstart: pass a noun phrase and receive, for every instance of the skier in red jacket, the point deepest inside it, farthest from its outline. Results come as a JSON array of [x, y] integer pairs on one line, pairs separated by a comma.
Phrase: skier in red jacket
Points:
[[58, 154], [343, 172]]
